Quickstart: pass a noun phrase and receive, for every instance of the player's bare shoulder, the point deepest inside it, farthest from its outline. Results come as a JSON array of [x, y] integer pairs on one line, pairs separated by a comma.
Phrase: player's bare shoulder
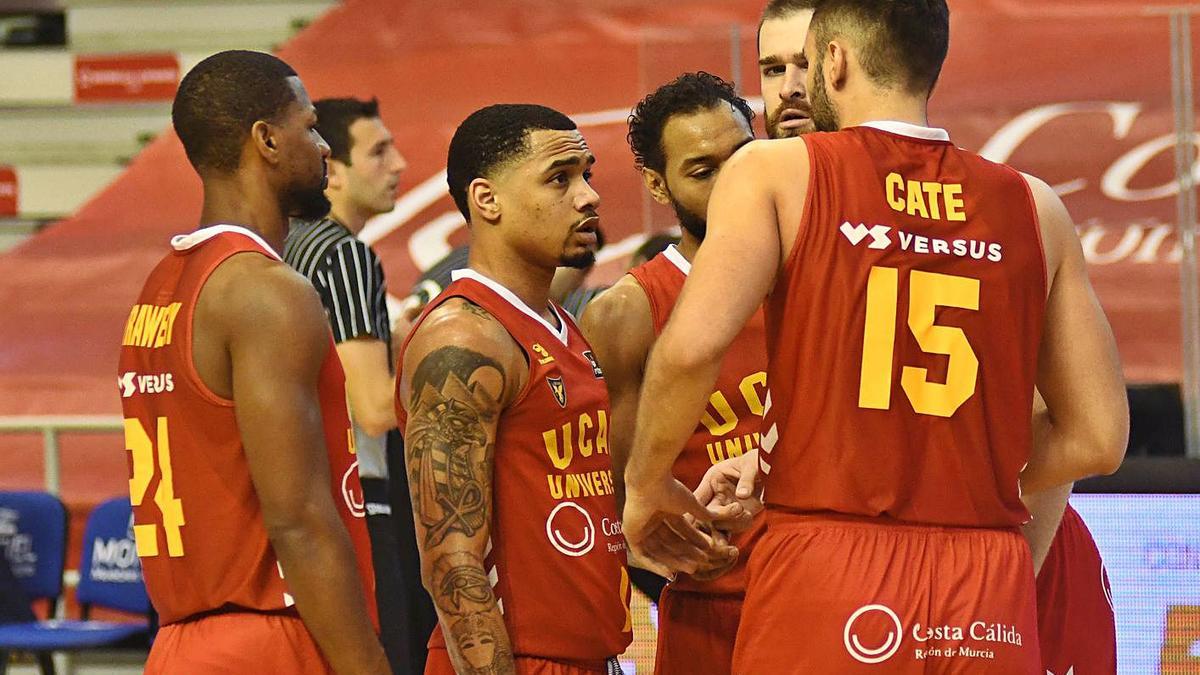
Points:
[[462, 336], [621, 308], [1059, 239], [250, 292], [619, 325]]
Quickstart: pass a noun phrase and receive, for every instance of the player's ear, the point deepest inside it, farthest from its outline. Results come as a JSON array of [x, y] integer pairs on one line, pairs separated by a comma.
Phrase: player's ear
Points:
[[657, 185], [837, 58], [481, 195], [262, 135]]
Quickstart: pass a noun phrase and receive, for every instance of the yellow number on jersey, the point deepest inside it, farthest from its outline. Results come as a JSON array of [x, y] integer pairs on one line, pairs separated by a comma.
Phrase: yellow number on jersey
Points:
[[138, 442], [927, 292]]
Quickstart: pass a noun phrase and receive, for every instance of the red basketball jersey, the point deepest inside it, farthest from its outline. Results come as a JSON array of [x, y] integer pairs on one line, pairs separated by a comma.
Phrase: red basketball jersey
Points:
[[1076, 626], [197, 521], [556, 556], [732, 420], [903, 332]]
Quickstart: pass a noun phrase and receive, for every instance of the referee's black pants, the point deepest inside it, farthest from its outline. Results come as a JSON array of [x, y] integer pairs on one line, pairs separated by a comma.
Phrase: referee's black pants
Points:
[[406, 613]]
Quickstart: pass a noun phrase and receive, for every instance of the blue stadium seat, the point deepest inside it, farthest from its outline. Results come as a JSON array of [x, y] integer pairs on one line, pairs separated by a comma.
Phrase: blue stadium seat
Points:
[[110, 575]]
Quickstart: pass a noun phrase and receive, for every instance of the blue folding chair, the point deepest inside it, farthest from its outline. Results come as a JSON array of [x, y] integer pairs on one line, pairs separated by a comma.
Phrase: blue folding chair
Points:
[[33, 541], [110, 575]]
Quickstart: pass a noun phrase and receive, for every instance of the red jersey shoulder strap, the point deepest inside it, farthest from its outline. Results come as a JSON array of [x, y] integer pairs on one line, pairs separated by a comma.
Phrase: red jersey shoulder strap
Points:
[[200, 253], [662, 279], [527, 328]]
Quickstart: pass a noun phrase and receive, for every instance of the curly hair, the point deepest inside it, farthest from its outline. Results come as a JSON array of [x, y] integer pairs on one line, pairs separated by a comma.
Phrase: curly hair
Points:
[[685, 94]]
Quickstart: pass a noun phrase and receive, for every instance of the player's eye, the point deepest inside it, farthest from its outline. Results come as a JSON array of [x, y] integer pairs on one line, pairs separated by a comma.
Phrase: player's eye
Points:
[[703, 174], [773, 71], [559, 178], [587, 176]]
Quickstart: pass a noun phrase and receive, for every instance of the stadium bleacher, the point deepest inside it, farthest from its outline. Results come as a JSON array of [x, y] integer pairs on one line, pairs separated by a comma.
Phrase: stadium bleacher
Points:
[[78, 103]]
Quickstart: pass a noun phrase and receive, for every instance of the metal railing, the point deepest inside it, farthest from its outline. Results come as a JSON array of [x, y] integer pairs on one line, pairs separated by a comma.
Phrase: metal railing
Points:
[[50, 426]]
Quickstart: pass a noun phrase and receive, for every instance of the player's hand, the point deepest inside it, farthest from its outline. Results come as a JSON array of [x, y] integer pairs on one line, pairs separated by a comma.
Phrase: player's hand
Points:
[[656, 529], [644, 563], [732, 491], [719, 562]]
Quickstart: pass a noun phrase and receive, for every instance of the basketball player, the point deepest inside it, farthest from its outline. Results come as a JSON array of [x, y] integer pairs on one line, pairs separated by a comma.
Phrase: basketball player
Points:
[[1075, 617], [506, 418], [680, 135], [781, 67], [242, 475], [916, 294]]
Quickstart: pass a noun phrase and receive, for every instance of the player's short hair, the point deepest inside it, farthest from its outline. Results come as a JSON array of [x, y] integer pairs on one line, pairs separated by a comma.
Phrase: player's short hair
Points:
[[688, 93], [901, 43], [653, 245], [334, 117], [220, 100], [490, 139], [779, 9]]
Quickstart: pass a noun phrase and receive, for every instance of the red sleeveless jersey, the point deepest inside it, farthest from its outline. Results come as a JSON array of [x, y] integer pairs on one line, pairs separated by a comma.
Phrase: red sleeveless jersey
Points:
[[732, 420], [903, 331], [556, 556], [197, 522]]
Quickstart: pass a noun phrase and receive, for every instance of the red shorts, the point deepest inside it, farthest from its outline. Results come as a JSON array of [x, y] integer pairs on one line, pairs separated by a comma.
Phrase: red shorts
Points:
[[1074, 602], [845, 595], [236, 643], [438, 663], [696, 632]]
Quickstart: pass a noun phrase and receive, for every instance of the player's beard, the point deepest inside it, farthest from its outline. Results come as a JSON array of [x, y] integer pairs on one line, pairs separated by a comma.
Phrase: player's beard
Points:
[[695, 225], [579, 261], [774, 131], [309, 203], [824, 116], [583, 259]]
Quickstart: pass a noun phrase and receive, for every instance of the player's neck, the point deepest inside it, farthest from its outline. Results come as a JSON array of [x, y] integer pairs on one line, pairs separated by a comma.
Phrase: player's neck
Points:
[[229, 201], [351, 218], [528, 282], [688, 245], [878, 108]]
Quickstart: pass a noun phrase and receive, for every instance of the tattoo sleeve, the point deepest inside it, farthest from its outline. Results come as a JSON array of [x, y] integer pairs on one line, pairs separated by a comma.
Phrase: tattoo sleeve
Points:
[[453, 413]]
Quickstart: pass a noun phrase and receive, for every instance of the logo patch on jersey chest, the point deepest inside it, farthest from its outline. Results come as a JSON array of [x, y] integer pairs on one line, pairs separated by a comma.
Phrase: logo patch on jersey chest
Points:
[[559, 389], [595, 365]]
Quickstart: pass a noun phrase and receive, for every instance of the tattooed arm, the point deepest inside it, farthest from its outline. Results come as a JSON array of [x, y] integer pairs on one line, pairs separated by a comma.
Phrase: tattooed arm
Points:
[[460, 370]]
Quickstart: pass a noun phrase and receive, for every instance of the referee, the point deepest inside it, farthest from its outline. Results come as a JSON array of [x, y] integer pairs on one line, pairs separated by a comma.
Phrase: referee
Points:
[[364, 170]]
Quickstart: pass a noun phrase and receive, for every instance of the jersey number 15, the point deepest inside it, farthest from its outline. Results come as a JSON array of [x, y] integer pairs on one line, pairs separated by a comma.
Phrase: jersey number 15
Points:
[[927, 291]]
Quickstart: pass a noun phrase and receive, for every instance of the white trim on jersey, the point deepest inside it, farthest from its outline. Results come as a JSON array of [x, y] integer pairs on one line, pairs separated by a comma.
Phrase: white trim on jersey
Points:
[[560, 332], [672, 253], [182, 242], [910, 130]]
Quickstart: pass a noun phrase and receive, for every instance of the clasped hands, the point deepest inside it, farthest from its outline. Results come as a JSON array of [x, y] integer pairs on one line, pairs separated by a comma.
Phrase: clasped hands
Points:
[[672, 529]]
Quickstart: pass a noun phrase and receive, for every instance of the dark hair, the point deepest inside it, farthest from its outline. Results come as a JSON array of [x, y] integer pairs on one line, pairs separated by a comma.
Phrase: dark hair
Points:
[[901, 43], [654, 245], [685, 94], [220, 100], [334, 117], [492, 137], [778, 9]]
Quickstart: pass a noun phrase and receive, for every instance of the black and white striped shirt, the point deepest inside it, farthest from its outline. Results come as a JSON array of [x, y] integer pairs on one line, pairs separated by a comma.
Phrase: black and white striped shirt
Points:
[[346, 273], [349, 278]]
